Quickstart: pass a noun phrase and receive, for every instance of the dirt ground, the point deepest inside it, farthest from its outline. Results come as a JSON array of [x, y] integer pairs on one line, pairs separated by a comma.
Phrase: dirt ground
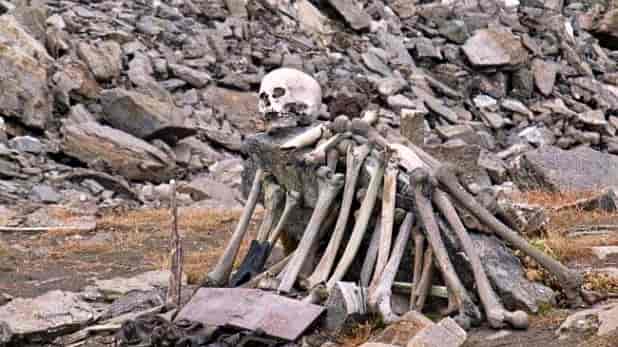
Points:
[[126, 243]]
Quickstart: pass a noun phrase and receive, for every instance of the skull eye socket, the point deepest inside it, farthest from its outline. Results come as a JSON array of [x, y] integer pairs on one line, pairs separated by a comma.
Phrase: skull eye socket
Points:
[[278, 92], [265, 99]]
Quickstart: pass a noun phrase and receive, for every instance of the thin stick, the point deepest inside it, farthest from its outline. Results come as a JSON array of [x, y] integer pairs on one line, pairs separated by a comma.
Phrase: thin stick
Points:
[[176, 256]]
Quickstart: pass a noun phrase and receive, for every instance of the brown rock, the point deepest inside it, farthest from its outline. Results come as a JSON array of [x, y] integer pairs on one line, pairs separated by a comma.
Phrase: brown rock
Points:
[[544, 75], [240, 108], [490, 47], [104, 59], [107, 148]]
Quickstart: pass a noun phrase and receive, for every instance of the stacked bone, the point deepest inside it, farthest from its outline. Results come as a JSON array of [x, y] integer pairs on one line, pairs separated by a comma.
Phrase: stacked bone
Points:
[[398, 171]]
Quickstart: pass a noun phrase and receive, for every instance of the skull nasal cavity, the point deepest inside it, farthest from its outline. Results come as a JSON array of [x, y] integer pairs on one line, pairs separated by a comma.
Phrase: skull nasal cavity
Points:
[[278, 92]]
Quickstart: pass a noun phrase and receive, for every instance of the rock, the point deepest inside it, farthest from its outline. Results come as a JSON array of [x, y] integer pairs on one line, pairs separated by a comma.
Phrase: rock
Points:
[[353, 14], [413, 126], [47, 316], [490, 47], [592, 118], [143, 116], [27, 144], [117, 287], [45, 193], [311, 19], [551, 168], [604, 252], [444, 334], [24, 93], [544, 75], [240, 108], [505, 272], [344, 306], [103, 58], [122, 153], [205, 188], [401, 332], [195, 78], [600, 321]]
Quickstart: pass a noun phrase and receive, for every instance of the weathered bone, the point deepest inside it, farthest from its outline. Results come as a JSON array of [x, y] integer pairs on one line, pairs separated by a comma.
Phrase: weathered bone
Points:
[[360, 226], [273, 196], [306, 138], [419, 245], [329, 185], [370, 257], [319, 154], [332, 159], [468, 312], [354, 162], [389, 193], [221, 273], [380, 295], [271, 272], [495, 312], [291, 201], [421, 290], [570, 280]]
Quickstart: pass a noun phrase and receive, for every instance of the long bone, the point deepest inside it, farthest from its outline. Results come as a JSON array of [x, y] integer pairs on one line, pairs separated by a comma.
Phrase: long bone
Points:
[[422, 288], [419, 245], [221, 273], [380, 296], [329, 185], [495, 312], [370, 257], [389, 193], [291, 201], [360, 226], [305, 138], [468, 312], [332, 159], [319, 154], [260, 248], [354, 161], [570, 280]]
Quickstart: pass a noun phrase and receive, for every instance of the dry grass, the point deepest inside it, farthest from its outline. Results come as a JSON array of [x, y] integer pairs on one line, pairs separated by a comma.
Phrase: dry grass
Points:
[[555, 240], [358, 335]]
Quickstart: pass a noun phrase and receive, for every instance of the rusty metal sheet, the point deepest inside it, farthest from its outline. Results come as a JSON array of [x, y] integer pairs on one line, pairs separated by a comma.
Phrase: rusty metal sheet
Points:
[[251, 309]]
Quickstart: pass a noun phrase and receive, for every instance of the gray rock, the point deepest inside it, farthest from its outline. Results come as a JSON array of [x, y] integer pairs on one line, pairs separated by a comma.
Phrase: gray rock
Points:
[[490, 47], [117, 151], [45, 193], [593, 118], [103, 58], [357, 18], [195, 78], [143, 116], [600, 321], [120, 286], [240, 108], [205, 188], [24, 93], [544, 75], [27, 144], [551, 168], [444, 334], [42, 318]]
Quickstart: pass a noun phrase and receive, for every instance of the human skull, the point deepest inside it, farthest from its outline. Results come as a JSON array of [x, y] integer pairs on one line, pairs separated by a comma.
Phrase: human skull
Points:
[[289, 98]]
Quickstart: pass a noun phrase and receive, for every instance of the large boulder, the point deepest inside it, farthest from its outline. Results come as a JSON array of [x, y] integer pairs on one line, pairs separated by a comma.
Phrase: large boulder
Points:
[[112, 150], [143, 116], [24, 93], [555, 169]]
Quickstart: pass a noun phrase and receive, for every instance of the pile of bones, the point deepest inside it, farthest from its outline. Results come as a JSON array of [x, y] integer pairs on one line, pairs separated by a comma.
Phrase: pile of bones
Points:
[[416, 191]]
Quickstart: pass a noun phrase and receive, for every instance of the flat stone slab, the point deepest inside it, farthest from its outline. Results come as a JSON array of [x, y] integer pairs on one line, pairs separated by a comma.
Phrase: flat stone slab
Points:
[[120, 286], [55, 312], [490, 47], [580, 169], [251, 309], [444, 334], [602, 320]]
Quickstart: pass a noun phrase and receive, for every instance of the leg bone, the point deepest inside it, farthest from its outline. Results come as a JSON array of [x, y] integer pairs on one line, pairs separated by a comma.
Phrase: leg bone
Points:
[[221, 273], [329, 185]]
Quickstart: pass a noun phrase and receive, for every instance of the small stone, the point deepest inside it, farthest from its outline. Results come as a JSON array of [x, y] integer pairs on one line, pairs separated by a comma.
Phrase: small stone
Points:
[[484, 101], [45, 193], [544, 75], [104, 59], [27, 144], [93, 186], [455, 30], [593, 117], [603, 252], [353, 14], [195, 78]]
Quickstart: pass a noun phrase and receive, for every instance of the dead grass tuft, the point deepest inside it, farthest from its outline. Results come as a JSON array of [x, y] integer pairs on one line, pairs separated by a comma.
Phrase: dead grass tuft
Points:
[[601, 282], [358, 335], [555, 240]]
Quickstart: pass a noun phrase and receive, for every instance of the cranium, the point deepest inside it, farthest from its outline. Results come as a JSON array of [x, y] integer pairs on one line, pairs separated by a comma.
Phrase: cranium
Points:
[[289, 98]]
